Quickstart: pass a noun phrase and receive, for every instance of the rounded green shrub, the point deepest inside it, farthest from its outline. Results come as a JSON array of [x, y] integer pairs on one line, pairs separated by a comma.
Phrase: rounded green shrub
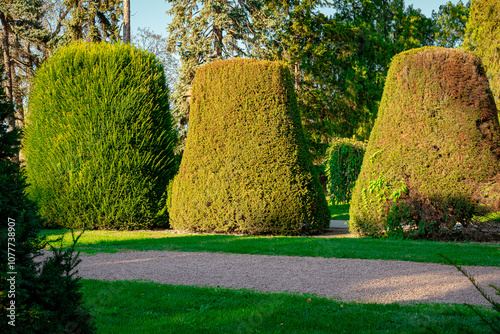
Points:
[[343, 164], [99, 138], [246, 167], [433, 158]]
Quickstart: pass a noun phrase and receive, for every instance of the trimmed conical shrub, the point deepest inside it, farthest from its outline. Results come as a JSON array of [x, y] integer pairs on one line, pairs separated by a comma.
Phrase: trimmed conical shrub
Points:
[[99, 140], [246, 167], [433, 158]]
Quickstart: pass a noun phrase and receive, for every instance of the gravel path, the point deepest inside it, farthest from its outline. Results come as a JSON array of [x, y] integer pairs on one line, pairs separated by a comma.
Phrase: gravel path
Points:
[[349, 279]]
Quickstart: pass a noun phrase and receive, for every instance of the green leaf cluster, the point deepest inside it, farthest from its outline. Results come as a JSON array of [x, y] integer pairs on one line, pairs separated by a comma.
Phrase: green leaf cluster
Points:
[[99, 139], [343, 164], [435, 146], [246, 167]]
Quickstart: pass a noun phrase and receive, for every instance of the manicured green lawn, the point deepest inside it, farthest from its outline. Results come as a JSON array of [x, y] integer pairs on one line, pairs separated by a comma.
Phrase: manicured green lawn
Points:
[[160, 308], [339, 212], [480, 254]]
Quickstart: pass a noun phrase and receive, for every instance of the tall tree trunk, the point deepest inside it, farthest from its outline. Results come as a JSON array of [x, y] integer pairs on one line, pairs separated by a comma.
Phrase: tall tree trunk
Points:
[[217, 34], [126, 21], [217, 41], [7, 65]]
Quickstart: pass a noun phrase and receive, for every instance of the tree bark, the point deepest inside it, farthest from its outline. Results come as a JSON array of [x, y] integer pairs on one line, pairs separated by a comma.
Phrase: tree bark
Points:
[[7, 63], [217, 41], [126, 21]]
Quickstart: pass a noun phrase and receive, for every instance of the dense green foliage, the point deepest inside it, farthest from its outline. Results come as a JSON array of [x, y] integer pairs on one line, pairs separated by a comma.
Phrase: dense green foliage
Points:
[[433, 156], [450, 22], [482, 37], [99, 140], [46, 296], [246, 167], [343, 61], [343, 164]]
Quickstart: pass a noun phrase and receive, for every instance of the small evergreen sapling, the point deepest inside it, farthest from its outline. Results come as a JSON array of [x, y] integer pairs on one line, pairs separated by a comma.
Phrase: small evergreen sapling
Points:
[[36, 297]]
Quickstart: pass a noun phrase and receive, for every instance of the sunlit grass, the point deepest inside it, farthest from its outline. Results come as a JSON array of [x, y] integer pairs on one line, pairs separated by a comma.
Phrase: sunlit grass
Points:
[[480, 254], [160, 308]]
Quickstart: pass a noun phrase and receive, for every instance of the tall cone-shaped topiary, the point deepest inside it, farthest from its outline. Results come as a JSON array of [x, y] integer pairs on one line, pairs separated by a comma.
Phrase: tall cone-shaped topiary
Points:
[[246, 167], [433, 158], [99, 138]]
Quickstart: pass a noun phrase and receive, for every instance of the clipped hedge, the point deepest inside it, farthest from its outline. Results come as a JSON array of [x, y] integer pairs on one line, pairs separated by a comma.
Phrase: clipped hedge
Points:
[[343, 164], [246, 167], [433, 158], [99, 139]]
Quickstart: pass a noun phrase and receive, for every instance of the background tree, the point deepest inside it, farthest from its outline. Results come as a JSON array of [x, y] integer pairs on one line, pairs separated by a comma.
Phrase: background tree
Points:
[[126, 21], [482, 37], [156, 44], [343, 61], [32, 30], [20, 27], [450, 22]]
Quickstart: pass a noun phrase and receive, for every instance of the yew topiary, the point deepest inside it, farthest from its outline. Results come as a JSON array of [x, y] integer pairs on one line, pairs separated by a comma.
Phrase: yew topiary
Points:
[[433, 158], [99, 138], [246, 167]]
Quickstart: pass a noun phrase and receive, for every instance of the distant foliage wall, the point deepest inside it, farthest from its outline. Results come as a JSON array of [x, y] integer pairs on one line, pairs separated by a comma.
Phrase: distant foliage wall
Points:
[[246, 167], [482, 37], [99, 139], [343, 164], [433, 158]]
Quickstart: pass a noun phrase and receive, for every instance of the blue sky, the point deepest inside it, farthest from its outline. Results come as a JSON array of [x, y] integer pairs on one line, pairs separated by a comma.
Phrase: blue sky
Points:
[[151, 13]]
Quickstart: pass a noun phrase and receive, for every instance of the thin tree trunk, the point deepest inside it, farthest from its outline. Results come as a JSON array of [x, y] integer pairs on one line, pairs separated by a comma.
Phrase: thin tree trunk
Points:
[[126, 21], [217, 34], [7, 65], [217, 41]]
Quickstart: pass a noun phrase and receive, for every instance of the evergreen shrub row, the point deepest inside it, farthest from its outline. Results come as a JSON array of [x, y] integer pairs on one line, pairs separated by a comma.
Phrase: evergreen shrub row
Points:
[[246, 167], [99, 138]]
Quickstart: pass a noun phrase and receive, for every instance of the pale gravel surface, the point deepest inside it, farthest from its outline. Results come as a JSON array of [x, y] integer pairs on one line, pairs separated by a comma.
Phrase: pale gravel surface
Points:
[[377, 281]]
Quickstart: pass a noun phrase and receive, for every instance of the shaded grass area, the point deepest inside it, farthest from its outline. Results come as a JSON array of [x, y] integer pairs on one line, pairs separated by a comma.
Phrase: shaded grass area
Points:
[[479, 254], [339, 211], [160, 308]]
